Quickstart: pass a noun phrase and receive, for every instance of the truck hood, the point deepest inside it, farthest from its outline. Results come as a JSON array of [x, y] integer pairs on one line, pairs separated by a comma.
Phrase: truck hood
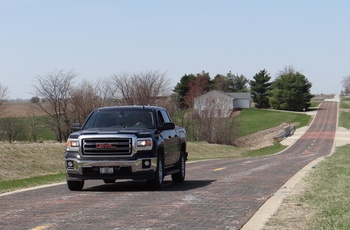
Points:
[[112, 131]]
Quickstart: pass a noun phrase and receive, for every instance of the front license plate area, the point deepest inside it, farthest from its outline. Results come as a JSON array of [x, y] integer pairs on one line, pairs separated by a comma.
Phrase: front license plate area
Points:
[[106, 170]]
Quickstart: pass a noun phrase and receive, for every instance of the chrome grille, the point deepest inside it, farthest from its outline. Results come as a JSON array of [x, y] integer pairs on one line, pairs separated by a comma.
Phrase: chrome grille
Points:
[[107, 146]]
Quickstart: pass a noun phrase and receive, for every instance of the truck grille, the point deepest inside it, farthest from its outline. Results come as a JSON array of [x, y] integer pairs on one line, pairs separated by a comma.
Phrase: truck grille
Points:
[[107, 146]]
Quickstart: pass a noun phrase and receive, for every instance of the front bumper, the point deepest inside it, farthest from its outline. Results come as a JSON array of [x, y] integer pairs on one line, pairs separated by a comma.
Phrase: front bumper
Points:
[[84, 169]]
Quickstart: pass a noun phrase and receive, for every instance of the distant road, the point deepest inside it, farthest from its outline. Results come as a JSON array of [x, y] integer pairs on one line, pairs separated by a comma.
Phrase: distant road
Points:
[[217, 194]]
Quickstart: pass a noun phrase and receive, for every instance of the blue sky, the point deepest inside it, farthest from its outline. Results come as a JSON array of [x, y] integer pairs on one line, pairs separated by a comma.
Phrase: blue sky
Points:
[[96, 39]]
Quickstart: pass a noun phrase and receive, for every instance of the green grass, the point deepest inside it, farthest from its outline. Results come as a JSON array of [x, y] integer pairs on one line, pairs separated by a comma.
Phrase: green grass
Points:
[[328, 192], [314, 104], [254, 120], [44, 131], [344, 103], [10, 185], [277, 147], [344, 119], [26, 126]]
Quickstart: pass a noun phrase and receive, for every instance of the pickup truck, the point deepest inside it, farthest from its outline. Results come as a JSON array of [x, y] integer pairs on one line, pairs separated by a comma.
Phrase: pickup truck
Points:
[[126, 142]]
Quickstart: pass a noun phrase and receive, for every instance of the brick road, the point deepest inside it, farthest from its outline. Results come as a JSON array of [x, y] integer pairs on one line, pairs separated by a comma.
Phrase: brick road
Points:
[[218, 194]]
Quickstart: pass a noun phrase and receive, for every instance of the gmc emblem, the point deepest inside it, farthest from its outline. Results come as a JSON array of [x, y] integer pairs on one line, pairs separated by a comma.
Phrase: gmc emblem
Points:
[[104, 145]]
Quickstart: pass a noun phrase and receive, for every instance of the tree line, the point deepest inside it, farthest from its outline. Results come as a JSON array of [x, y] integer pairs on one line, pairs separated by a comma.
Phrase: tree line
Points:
[[63, 101], [289, 91]]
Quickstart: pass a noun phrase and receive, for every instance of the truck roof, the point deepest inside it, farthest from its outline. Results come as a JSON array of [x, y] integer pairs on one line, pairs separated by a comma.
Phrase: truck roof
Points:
[[129, 107]]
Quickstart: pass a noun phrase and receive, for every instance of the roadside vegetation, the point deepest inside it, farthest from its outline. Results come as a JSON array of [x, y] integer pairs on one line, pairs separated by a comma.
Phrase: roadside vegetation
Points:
[[321, 199]]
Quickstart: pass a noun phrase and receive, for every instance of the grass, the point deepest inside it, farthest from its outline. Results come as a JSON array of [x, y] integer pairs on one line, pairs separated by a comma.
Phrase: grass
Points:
[[254, 120], [10, 185], [27, 164], [205, 151], [328, 192], [277, 147], [344, 119], [345, 103], [22, 126]]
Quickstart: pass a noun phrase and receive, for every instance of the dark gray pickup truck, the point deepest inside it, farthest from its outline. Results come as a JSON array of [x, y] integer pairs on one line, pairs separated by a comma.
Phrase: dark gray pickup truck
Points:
[[126, 142]]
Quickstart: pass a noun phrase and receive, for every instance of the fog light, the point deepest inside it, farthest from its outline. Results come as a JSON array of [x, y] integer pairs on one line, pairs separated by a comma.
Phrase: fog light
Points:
[[146, 164], [70, 164]]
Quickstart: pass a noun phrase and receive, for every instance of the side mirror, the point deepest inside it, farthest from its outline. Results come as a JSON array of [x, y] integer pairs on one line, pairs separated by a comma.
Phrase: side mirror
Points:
[[168, 126], [75, 127]]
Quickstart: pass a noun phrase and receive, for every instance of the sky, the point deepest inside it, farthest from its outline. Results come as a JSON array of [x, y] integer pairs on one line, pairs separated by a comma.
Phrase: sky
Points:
[[97, 39]]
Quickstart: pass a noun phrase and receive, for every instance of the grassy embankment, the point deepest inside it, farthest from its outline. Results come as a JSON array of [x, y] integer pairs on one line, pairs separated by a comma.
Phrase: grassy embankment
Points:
[[27, 164], [322, 198]]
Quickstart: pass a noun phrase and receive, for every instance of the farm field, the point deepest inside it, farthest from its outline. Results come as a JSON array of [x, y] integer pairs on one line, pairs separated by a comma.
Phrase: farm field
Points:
[[21, 109]]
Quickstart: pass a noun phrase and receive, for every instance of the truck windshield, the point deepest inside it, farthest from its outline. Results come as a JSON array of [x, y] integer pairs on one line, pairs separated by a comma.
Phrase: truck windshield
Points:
[[120, 119]]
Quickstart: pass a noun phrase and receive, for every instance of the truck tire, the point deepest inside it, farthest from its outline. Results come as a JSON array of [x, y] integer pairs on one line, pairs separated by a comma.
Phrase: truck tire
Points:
[[157, 182], [179, 177], [75, 185]]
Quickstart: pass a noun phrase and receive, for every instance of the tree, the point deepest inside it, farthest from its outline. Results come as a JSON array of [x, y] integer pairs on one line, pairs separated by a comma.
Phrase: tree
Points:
[[11, 128], [34, 100], [3, 97], [290, 91], [259, 88], [144, 88], [54, 88], [200, 85], [237, 83], [221, 83], [182, 88], [86, 97], [346, 85]]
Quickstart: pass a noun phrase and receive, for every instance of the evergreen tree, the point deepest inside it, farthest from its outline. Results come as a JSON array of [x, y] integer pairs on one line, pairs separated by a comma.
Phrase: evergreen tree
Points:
[[237, 83], [182, 88], [290, 91], [259, 88]]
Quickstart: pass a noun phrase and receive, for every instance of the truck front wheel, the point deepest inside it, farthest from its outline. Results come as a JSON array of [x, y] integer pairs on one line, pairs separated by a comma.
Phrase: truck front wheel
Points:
[[179, 177], [75, 185], [157, 182]]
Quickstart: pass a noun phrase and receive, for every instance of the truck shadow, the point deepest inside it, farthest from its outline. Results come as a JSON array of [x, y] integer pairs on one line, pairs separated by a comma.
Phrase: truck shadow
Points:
[[140, 186]]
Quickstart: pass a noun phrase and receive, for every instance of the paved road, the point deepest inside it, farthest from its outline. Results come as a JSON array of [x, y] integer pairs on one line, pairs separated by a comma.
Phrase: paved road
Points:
[[219, 194]]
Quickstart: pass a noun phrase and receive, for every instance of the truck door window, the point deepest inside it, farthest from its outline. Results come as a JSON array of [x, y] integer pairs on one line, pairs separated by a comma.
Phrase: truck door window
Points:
[[160, 118], [163, 117]]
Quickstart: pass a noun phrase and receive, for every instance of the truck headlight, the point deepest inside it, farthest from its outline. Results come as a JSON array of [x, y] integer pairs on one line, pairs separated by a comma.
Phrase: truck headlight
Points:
[[144, 144], [72, 145]]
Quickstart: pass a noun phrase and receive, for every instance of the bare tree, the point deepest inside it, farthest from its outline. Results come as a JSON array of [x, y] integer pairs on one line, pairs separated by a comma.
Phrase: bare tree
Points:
[[86, 97], [144, 88], [54, 88], [346, 85], [3, 98], [11, 128]]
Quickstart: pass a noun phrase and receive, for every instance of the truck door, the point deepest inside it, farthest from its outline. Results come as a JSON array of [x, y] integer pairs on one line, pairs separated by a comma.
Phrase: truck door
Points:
[[170, 140]]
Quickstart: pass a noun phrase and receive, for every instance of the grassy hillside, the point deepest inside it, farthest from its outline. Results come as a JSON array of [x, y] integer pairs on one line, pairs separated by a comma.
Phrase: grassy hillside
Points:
[[253, 120]]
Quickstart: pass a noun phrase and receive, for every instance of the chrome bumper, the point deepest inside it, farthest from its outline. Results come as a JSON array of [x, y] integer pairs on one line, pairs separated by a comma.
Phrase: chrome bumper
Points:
[[137, 166]]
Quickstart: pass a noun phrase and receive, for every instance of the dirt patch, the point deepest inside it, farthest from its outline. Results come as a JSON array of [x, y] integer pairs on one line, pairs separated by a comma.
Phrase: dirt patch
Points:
[[293, 213], [260, 139]]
